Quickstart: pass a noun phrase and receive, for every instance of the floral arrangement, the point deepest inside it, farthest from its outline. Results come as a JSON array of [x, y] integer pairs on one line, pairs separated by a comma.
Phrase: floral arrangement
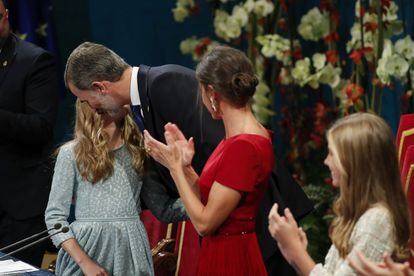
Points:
[[314, 25], [396, 60], [183, 9], [314, 89]]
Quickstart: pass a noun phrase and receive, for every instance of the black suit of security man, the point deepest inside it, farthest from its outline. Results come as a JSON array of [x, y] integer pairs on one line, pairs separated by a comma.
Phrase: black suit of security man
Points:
[[28, 105]]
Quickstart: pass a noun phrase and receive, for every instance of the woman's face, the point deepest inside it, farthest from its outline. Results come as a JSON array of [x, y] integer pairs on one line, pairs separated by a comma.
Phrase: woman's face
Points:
[[332, 161]]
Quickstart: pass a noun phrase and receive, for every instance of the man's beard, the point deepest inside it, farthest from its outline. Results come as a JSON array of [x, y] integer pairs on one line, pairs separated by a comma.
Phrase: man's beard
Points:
[[108, 106], [118, 113], [112, 111], [112, 115]]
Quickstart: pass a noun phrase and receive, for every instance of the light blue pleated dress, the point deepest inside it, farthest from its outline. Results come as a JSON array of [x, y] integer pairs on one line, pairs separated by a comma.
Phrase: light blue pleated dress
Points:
[[107, 224]]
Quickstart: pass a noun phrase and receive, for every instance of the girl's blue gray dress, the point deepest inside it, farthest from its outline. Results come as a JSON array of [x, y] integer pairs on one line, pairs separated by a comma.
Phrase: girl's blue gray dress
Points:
[[107, 224]]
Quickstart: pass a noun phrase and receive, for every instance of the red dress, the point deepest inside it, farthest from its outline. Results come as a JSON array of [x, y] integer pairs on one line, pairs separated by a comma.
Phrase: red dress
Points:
[[244, 163]]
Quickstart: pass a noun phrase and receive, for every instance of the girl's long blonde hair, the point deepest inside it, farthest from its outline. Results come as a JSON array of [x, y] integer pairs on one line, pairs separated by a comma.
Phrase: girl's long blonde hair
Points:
[[94, 159], [369, 175]]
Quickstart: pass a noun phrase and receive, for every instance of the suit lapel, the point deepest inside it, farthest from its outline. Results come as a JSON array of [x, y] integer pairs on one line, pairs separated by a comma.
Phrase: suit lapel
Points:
[[7, 57], [143, 75]]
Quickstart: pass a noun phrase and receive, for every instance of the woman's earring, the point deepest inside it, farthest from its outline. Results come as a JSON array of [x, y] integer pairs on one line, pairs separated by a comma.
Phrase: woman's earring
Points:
[[213, 106]]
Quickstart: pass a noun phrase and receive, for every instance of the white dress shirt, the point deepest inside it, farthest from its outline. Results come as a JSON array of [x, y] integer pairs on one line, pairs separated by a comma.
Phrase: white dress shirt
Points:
[[135, 99]]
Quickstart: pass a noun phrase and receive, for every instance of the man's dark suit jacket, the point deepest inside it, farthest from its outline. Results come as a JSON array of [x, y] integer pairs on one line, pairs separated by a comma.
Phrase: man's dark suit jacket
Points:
[[28, 105], [170, 93]]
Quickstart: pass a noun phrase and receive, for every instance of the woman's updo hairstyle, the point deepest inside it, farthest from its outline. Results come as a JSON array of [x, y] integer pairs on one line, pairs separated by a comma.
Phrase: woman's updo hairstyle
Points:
[[230, 73]]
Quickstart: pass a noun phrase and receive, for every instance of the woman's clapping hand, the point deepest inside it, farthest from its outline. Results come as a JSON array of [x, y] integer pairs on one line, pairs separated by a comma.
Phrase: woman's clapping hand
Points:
[[178, 151]]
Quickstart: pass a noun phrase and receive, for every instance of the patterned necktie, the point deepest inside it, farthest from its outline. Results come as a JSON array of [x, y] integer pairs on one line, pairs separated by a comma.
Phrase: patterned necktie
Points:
[[139, 120]]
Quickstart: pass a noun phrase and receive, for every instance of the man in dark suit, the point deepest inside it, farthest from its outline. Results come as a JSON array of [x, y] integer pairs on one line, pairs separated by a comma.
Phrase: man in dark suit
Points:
[[163, 94], [28, 104]]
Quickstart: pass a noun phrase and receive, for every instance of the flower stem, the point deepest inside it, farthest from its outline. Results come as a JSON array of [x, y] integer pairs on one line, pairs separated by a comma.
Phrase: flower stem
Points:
[[376, 100], [373, 98]]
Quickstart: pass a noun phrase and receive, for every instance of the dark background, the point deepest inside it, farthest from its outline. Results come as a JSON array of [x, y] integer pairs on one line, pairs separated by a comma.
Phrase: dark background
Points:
[[144, 32]]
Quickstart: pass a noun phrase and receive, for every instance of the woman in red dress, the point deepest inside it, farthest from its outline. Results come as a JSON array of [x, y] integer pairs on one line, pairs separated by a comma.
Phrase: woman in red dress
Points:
[[223, 201]]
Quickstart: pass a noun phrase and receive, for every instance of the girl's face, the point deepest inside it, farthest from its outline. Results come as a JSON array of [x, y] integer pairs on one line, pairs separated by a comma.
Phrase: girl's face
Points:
[[332, 161]]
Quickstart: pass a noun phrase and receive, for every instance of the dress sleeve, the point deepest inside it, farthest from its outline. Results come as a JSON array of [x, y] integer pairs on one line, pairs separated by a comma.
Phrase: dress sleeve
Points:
[[61, 194], [238, 167], [373, 236]]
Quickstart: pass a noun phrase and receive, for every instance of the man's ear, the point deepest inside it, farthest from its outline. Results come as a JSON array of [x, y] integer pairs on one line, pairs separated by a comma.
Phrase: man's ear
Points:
[[99, 87]]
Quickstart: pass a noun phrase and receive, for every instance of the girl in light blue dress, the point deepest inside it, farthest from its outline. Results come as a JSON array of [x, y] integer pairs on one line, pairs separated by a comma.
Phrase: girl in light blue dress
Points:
[[101, 170]]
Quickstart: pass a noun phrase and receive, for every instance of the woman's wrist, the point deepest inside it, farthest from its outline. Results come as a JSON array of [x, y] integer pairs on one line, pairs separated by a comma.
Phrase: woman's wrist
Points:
[[188, 170], [176, 169]]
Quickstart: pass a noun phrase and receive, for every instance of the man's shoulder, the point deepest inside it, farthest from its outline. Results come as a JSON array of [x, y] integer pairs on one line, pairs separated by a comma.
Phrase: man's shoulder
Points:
[[179, 81], [29, 49], [169, 70], [175, 68]]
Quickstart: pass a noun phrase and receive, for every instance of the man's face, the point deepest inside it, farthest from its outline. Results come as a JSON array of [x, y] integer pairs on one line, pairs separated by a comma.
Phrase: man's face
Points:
[[99, 101]]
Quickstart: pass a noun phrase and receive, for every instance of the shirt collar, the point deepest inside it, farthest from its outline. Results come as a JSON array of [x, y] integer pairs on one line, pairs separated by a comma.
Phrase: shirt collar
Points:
[[135, 100]]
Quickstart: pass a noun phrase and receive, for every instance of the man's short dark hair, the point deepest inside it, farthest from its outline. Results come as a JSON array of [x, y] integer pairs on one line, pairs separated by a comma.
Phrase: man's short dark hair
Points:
[[91, 62]]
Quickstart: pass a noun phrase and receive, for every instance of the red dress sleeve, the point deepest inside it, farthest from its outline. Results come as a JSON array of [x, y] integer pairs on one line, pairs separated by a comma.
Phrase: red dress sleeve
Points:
[[239, 166]]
